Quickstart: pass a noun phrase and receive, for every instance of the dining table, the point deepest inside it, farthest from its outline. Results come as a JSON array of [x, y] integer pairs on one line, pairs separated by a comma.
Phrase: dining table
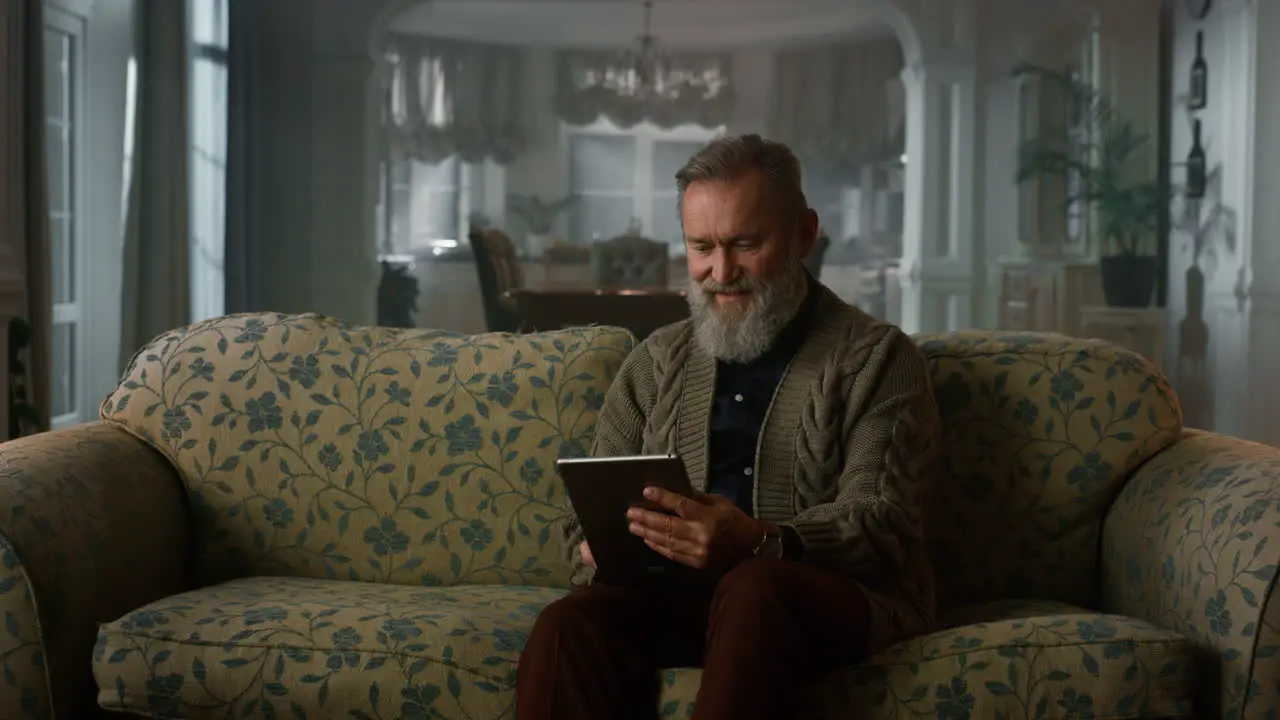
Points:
[[640, 310]]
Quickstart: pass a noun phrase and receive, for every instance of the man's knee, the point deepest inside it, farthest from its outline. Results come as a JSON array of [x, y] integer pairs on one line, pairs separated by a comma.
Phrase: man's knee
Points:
[[571, 615], [759, 583]]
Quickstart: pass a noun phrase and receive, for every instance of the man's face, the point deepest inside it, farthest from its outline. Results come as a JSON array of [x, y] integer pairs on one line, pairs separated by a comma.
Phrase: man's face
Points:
[[746, 272]]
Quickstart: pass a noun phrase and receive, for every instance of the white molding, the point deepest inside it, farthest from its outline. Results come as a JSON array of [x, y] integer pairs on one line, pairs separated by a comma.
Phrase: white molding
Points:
[[82, 9], [691, 25]]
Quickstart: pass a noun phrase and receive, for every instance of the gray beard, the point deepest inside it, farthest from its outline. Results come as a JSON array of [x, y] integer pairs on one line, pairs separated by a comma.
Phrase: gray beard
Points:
[[741, 335]]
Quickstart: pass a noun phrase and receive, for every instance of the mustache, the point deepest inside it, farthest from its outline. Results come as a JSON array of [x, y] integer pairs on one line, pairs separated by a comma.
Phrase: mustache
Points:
[[744, 283]]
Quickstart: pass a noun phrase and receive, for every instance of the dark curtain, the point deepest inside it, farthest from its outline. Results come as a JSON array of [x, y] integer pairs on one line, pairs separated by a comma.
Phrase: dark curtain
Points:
[[243, 261]]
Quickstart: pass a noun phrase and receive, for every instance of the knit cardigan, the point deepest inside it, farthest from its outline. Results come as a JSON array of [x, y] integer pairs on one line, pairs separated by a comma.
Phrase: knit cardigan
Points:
[[846, 454]]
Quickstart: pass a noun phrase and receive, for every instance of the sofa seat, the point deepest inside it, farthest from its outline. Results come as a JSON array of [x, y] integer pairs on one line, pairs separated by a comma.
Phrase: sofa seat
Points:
[[293, 647], [1011, 659], [319, 649]]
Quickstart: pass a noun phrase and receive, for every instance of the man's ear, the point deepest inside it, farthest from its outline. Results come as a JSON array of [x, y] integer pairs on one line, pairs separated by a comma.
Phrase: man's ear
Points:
[[808, 231]]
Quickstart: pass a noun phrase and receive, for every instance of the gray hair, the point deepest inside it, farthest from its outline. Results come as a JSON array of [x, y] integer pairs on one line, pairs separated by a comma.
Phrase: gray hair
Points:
[[731, 158]]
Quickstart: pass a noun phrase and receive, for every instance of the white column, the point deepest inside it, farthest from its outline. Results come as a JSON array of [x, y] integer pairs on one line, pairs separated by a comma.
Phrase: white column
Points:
[[1236, 224], [941, 283], [1256, 283]]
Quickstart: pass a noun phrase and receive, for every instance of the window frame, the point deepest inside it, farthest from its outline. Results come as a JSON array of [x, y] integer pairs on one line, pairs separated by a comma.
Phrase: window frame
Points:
[[208, 274], [645, 135], [58, 19]]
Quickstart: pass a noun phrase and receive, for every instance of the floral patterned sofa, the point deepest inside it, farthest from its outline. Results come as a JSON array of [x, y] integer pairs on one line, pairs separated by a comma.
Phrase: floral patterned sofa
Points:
[[283, 516]]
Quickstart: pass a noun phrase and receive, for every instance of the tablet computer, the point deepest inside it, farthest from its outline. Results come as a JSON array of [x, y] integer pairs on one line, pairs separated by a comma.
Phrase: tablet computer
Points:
[[601, 490]]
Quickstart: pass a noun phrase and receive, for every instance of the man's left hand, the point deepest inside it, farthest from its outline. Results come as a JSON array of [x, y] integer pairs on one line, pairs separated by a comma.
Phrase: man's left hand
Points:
[[707, 531]]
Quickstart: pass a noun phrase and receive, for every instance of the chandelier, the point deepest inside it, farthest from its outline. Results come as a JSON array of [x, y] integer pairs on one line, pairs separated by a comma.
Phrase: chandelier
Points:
[[644, 65]]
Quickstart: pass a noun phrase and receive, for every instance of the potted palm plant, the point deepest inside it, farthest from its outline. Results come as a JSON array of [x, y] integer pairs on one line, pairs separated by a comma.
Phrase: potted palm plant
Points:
[[1109, 176], [538, 217]]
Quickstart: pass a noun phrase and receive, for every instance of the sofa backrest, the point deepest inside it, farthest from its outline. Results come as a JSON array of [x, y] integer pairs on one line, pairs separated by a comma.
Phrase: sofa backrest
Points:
[[1041, 431], [317, 449]]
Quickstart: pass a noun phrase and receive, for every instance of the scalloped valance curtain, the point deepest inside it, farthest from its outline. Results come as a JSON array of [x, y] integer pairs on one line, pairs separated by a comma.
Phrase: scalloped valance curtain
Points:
[[843, 102], [455, 98], [696, 88]]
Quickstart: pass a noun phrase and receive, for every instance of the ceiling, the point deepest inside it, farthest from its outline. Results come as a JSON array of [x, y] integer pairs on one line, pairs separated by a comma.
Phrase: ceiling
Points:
[[614, 23]]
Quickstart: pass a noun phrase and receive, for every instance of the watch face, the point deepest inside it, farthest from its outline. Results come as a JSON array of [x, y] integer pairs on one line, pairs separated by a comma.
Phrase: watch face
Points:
[[1198, 8], [772, 547]]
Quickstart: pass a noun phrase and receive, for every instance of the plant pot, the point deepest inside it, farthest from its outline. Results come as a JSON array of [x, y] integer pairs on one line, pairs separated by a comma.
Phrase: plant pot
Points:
[[535, 244], [1128, 281]]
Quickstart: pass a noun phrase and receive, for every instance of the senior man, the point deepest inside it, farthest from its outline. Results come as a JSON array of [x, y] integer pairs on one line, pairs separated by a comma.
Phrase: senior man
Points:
[[809, 429]]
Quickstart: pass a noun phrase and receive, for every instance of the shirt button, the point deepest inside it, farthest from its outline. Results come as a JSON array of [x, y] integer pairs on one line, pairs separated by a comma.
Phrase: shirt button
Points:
[[738, 397], [746, 471]]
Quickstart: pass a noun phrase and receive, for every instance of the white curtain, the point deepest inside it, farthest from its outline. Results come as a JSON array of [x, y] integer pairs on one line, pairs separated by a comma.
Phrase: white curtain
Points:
[[447, 97], [842, 102], [24, 210], [691, 88], [157, 270]]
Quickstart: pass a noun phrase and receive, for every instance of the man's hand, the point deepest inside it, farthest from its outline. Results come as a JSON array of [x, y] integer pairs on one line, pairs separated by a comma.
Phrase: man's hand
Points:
[[709, 531], [587, 557]]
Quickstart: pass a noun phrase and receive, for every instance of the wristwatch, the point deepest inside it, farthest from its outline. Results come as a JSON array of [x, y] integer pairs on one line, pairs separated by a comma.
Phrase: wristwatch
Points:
[[770, 545]]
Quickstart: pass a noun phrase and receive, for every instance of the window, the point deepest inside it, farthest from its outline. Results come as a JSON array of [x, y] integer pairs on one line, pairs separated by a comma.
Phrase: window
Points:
[[208, 73], [429, 204], [64, 132], [850, 213], [626, 176]]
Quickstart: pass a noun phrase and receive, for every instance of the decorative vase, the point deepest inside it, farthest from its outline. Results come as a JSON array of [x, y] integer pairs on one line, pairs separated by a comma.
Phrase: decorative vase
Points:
[[536, 244], [1128, 281], [397, 296]]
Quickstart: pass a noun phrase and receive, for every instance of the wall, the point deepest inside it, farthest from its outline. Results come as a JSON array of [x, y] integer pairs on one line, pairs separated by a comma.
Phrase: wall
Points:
[[1225, 345], [309, 191]]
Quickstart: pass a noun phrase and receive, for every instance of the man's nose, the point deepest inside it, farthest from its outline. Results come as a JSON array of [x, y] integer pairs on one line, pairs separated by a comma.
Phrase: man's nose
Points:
[[724, 270]]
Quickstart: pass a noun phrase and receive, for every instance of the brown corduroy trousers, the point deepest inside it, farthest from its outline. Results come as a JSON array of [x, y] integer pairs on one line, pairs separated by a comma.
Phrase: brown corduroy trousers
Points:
[[761, 633]]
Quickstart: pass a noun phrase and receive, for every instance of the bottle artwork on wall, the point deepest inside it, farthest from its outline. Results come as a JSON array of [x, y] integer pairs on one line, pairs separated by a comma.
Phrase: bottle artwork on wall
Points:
[[1198, 91], [1197, 167]]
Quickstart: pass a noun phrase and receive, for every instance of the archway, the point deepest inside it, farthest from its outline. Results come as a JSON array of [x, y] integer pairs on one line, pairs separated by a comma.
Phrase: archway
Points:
[[894, 18]]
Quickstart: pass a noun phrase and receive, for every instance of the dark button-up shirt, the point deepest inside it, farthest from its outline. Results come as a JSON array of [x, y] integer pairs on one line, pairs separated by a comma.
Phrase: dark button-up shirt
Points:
[[743, 394]]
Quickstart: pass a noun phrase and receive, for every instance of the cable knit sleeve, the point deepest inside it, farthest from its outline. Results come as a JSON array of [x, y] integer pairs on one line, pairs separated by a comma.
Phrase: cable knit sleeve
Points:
[[872, 530], [619, 431]]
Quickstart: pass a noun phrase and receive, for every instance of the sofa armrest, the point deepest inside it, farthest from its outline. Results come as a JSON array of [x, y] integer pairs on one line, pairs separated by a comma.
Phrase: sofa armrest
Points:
[[93, 524], [1192, 544]]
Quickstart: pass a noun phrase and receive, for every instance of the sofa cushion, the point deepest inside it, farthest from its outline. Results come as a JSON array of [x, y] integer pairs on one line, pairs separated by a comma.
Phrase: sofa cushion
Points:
[[277, 647], [1026, 659], [295, 647], [1040, 433], [318, 449]]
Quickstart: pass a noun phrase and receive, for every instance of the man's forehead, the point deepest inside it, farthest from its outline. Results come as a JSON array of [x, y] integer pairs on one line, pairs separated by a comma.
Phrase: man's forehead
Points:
[[723, 201], [748, 186], [724, 239]]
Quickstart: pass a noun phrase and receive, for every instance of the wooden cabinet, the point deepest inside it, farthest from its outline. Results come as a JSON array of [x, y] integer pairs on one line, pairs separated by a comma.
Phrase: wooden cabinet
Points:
[[1138, 329], [1046, 296]]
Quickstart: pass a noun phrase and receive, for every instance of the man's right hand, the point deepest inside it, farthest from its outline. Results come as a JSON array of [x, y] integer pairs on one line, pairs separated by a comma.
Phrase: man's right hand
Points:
[[587, 557]]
